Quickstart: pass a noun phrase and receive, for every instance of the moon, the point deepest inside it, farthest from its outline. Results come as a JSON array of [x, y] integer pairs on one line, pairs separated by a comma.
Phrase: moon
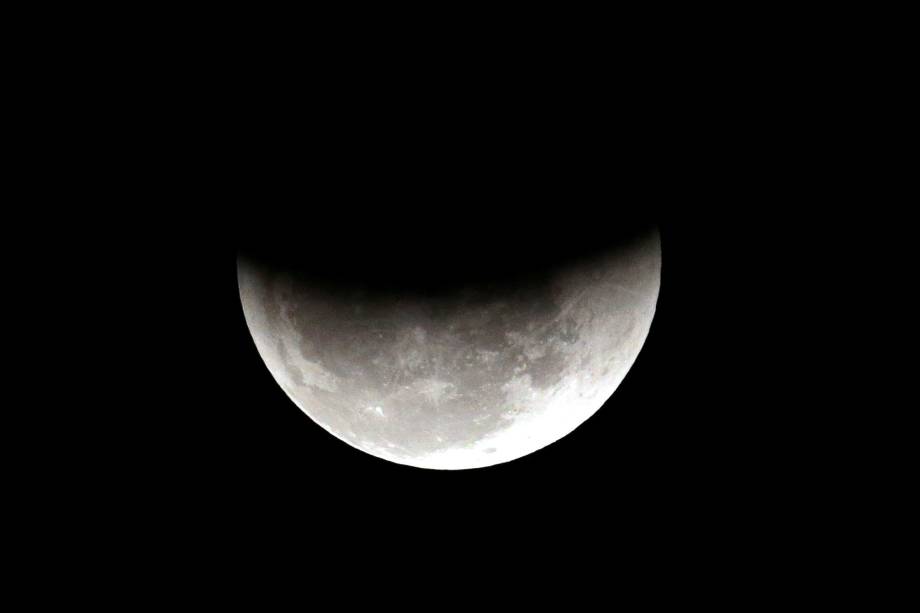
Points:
[[465, 379]]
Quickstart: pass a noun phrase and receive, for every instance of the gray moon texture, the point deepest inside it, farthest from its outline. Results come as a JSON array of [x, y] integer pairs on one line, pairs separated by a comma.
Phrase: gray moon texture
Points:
[[471, 379]]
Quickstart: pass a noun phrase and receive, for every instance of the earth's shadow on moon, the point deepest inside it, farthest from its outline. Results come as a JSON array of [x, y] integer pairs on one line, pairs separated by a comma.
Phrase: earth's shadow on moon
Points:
[[388, 257]]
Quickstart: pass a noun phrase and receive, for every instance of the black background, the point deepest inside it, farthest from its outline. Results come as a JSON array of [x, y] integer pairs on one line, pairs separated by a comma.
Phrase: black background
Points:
[[176, 434]]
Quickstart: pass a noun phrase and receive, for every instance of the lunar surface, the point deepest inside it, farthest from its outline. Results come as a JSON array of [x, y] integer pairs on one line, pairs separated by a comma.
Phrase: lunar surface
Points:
[[478, 377]]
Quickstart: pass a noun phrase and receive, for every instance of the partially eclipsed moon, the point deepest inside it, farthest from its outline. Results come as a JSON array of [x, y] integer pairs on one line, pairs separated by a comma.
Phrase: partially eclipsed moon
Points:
[[463, 381]]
